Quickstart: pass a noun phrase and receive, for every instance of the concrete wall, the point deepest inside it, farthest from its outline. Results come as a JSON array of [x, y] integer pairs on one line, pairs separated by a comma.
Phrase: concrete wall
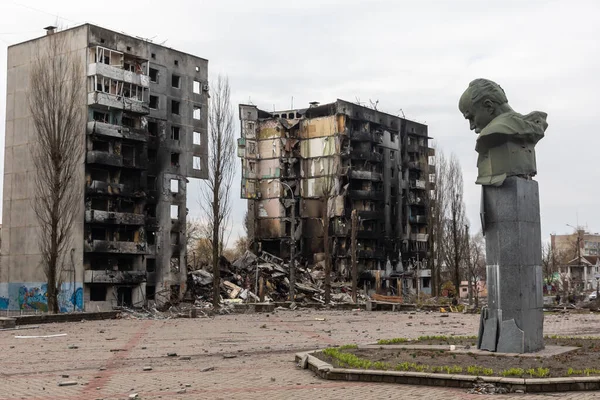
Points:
[[21, 272]]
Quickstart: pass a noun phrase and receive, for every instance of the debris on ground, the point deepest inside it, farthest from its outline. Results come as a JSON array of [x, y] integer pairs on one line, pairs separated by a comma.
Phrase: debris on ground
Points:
[[264, 278], [481, 387]]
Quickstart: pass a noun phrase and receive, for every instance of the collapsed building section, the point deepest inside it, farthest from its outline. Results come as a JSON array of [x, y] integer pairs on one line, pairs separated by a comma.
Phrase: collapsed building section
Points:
[[308, 169]]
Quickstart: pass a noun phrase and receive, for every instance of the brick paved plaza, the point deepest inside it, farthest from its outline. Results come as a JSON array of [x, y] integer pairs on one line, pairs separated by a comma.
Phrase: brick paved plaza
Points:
[[248, 356]]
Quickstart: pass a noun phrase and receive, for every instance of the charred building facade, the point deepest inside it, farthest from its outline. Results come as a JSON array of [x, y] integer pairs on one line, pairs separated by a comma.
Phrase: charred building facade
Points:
[[145, 134], [325, 161]]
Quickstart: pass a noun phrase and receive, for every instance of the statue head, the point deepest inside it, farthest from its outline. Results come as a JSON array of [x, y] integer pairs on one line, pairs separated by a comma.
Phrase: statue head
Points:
[[483, 101]]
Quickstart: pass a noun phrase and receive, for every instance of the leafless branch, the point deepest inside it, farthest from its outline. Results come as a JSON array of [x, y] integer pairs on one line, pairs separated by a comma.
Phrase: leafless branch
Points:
[[216, 194], [54, 102]]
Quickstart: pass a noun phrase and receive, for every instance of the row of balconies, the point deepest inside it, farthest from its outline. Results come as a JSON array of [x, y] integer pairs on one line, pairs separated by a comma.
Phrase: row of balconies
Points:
[[116, 160], [117, 189], [118, 74], [116, 131], [109, 246], [113, 277], [118, 218]]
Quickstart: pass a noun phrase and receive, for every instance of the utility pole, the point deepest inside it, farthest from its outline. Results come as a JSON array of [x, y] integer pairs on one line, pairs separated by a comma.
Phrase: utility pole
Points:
[[353, 249]]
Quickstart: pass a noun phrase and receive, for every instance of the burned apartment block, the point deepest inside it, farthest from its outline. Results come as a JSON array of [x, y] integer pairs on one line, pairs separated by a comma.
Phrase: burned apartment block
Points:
[[145, 135], [331, 159]]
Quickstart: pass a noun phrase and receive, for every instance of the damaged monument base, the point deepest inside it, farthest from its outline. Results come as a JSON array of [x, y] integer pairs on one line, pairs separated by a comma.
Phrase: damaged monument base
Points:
[[514, 319]]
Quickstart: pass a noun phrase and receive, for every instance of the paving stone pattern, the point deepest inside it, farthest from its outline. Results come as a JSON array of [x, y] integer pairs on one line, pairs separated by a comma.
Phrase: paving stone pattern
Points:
[[247, 356]]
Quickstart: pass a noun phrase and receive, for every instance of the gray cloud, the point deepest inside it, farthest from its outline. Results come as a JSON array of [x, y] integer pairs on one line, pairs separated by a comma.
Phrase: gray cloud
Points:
[[417, 56]]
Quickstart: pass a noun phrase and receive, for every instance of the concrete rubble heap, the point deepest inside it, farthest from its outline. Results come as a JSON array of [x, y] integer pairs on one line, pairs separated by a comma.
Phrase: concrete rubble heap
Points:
[[241, 282]]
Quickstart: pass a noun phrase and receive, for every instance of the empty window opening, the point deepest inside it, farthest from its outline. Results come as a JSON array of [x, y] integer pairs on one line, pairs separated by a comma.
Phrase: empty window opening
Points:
[[175, 159], [153, 56], [175, 107], [97, 293], [196, 163], [176, 62], [101, 117], [151, 238], [128, 121], [151, 183], [175, 81], [98, 234], [99, 175], [150, 264], [150, 292], [124, 296], [152, 157], [392, 154], [174, 238], [197, 138], [175, 133], [252, 166], [128, 48], [101, 40], [127, 206], [174, 186], [174, 211], [197, 69], [100, 145], [153, 75], [153, 128], [196, 88], [154, 102], [150, 210], [128, 153], [99, 204], [197, 113]]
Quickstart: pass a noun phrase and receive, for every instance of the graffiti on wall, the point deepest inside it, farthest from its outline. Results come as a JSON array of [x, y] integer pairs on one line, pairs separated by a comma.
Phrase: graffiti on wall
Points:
[[34, 296]]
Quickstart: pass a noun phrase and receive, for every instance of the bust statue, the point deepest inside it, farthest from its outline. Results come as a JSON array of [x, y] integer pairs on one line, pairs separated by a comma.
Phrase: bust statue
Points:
[[507, 139]]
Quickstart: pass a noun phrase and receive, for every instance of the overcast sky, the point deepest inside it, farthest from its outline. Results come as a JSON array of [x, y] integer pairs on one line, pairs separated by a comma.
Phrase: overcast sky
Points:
[[414, 56]]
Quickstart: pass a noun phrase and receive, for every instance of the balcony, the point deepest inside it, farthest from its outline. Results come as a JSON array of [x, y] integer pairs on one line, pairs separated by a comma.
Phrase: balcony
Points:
[[114, 277], [104, 158], [118, 74], [116, 131], [369, 214], [366, 194], [419, 237], [366, 175], [431, 168], [108, 246], [417, 219], [118, 189], [418, 184], [372, 156], [107, 101], [416, 165], [414, 200], [378, 253], [362, 136], [413, 148], [108, 217]]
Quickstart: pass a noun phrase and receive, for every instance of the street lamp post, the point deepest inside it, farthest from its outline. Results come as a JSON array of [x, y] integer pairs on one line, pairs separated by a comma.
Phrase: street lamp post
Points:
[[292, 246]]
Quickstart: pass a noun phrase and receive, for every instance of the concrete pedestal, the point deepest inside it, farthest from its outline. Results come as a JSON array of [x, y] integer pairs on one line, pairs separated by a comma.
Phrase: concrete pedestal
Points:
[[514, 319]]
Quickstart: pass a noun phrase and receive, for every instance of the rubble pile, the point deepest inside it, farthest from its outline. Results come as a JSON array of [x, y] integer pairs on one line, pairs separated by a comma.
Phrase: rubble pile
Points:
[[253, 278]]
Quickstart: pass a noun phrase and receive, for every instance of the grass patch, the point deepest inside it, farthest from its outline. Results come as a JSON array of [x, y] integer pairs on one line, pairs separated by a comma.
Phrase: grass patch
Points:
[[586, 371], [531, 372], [393, 341]]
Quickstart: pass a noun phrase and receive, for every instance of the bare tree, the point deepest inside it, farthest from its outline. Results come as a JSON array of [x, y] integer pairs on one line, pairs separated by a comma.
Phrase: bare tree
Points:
[[550, 263], [56, 93], [453, 241], [436, 215], [215, 197], [475, 268]]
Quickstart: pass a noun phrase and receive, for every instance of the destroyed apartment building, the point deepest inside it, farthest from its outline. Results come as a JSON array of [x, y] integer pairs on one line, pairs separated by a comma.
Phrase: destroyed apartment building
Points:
[[300, 165], [145, 133]]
